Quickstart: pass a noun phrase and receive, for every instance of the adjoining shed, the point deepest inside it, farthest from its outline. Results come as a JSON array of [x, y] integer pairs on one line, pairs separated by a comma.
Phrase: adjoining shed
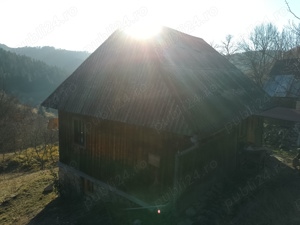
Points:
[[284, 83], [146, 113], [284, 89]]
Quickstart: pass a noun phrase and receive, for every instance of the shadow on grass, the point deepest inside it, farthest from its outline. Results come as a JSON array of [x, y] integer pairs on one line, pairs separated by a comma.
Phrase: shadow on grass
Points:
[[269, 195], [254, 195], [60, 212], [271, 198]]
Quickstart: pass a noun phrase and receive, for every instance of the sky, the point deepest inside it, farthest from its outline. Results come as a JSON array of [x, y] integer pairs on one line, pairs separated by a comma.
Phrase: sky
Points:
[[84, 25]]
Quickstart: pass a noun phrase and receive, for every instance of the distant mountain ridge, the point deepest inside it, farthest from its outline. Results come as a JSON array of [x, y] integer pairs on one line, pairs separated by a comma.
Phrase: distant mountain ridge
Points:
[[30, 80], [64, 59]]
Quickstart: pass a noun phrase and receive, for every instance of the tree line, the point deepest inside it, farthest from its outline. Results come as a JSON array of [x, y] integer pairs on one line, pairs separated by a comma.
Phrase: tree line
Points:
[[24, 131], [23, 128], [256, 53]]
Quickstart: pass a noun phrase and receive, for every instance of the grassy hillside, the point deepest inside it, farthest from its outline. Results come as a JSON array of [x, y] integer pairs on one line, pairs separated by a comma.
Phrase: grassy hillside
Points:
[[22, 184]]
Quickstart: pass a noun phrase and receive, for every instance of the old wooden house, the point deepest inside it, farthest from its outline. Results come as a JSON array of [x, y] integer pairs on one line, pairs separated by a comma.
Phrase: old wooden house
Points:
[[284, 84], [284, 88], [148, 112]]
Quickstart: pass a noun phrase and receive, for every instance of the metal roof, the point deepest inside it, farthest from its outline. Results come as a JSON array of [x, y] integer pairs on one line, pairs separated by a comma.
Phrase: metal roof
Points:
[[284, 79], [282, 114], [171, 82], [283, 86]]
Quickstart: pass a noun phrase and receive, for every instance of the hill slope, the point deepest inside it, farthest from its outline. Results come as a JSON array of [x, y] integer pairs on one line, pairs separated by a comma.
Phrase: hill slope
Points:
[[67, 60], [31, 81]]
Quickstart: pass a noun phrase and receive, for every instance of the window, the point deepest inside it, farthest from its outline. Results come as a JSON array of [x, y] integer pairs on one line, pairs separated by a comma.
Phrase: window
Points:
[[79, 134]]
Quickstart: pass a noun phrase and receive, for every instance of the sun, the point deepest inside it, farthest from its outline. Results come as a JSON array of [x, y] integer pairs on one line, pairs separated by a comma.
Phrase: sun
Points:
[[143, 30]]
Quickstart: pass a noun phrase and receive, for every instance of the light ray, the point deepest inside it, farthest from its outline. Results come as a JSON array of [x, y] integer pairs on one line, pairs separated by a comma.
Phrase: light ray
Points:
[[143, 30]]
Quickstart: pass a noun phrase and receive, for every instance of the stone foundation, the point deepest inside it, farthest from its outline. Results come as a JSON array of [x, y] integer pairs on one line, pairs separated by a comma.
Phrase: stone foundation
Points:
[[70, 185]]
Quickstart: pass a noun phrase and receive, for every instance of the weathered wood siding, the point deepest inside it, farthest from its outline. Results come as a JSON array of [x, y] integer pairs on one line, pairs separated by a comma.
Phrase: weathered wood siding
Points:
[[215, 154], [112, 148], [250, 130], [220, 153], [254, 130]]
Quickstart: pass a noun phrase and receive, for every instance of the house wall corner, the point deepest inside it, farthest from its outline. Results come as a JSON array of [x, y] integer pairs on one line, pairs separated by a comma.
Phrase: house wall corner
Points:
[[69, 184]]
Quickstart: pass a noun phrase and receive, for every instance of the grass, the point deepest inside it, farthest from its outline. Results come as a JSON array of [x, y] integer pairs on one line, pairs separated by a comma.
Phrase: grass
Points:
[[30, 159], [285, 156], [22, 184], [22, 196]]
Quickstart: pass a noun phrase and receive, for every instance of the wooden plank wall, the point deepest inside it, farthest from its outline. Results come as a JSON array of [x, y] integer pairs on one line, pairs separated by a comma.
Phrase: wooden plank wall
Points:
[[112, 147], [64, 138], [254, 130], [217, 154]]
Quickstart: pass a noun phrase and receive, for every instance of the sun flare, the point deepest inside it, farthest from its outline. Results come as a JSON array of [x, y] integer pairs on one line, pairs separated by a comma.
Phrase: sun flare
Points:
[[143, 30]]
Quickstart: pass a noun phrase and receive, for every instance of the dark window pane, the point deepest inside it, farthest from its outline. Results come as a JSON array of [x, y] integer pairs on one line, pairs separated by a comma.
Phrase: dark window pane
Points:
[[79, 132]]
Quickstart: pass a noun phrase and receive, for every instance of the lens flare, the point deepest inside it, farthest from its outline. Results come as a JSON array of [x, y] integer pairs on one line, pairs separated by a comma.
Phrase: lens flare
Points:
[[143, 30]]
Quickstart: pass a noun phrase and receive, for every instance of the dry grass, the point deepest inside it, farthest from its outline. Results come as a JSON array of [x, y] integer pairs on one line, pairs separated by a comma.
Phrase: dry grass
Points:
[[285, 157], [30, 159], [22, 184], [22, 197]]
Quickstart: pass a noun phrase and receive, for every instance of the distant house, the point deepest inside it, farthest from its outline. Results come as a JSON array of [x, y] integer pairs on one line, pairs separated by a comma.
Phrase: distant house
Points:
[[154, 109], [284, 83], [284, 88], [52, 124]]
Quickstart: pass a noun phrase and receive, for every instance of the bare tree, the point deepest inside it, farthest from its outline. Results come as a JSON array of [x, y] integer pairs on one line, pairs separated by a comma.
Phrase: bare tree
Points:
[[290, 42], [228, 46], [214, 45], [8, 113], [293, 26], [20, 128], [262, 48], [291, 11], [42, 140]]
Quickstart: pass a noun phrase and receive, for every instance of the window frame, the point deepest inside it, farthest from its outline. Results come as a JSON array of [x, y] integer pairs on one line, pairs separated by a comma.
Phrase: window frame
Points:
[[79, 132]]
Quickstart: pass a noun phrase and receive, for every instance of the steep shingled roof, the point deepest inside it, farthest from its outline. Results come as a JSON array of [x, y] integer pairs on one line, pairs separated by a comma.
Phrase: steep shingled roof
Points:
[[172, 82]]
